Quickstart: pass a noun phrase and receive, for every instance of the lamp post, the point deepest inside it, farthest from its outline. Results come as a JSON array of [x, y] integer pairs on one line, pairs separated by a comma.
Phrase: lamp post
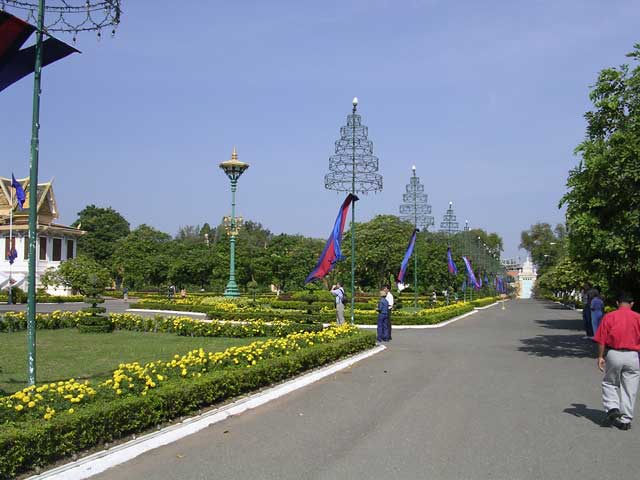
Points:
[[233, 169]]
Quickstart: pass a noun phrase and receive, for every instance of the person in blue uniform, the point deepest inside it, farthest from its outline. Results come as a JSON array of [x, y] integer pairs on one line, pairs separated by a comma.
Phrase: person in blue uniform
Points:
[[384, 335]]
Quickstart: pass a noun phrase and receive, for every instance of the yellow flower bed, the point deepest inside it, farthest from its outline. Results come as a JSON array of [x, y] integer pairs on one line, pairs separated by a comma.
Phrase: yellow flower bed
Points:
[[52, 399]]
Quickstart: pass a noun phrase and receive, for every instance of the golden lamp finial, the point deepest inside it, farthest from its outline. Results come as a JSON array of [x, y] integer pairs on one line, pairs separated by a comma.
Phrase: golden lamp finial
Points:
[[234, 155]]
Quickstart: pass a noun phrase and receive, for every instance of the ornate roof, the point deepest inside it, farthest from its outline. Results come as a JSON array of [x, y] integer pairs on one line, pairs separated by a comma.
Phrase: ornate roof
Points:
[[47, 207]]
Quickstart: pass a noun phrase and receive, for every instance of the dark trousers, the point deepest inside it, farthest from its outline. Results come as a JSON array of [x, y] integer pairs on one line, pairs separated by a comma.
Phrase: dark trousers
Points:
[[384, 331], [586, 319]]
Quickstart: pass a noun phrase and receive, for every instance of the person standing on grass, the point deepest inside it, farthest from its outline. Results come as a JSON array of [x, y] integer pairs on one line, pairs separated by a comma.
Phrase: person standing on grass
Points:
[[619, 342], [384, 330], [338, 292], [597, 309]]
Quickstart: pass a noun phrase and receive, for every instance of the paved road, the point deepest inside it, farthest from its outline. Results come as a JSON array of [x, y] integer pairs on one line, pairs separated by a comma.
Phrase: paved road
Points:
[[500, 395]]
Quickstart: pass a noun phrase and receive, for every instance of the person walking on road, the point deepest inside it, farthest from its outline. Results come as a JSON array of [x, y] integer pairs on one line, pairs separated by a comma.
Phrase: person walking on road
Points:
[[384, 331], [338, 292], [619, 342], [597, 310]]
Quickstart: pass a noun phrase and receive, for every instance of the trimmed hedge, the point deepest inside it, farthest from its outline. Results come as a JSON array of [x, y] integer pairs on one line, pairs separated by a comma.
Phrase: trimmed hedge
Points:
[[483, 302], [39, 443], [183, 326], [418, 319]]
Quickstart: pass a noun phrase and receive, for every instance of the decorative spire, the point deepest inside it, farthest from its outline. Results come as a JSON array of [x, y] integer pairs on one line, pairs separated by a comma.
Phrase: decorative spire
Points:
[[415, 207], [449, 224]]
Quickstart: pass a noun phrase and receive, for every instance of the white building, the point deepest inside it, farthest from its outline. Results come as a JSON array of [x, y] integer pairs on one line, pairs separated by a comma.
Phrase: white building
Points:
[[54, 244], [526, 279]]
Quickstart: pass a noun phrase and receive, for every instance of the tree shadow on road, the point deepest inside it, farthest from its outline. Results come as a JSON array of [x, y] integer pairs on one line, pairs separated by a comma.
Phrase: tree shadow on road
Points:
[[556, 306], [580, 410], [562, 324], [558, 346]]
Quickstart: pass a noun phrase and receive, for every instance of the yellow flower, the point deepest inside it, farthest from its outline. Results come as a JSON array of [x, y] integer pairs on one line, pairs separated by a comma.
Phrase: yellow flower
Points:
[[118, 392], [71, 410], [31, 404], [19, 408]]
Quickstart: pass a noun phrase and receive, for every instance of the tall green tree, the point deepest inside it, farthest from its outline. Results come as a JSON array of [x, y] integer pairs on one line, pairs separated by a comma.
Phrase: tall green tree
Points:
[[143, 258], [603, 205], [104, 227], [380, 246], [544, 244]]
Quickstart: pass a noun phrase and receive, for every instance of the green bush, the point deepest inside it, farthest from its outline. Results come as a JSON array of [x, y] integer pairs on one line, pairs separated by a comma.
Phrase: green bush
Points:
[[425, 318], [18, 295], [483, 302], [38, 443]]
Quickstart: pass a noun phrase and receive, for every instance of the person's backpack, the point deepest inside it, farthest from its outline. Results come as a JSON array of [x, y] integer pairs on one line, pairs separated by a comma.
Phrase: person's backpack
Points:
[[345, 300]]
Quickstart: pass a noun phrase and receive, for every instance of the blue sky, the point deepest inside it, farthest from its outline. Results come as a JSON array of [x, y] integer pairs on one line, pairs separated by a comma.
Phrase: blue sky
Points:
[[485, 98]]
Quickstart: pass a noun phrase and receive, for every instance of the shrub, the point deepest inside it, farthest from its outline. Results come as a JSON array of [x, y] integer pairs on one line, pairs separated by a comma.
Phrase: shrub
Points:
[[38, 442]]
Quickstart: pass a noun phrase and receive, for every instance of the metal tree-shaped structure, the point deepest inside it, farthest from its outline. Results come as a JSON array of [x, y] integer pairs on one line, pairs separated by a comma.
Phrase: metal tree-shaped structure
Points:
[[353, 168], [449, 223], [63, 16], [416, 209]]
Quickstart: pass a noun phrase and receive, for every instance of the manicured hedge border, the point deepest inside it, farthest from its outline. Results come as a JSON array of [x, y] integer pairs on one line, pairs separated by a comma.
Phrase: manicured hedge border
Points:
[[40, 443], [483, 302], [184, 327], [426, 319], [361, 318]]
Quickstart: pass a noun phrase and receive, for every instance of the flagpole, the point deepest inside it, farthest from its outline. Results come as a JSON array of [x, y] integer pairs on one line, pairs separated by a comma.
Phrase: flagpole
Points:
[[10, 301], [353, 219], [33, 201], [415, 252]]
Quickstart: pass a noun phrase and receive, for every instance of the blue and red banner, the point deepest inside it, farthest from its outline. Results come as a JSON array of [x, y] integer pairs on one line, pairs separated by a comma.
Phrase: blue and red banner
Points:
[[15, 63], [470, 274], [453, 270], [332, 252], [407, 256]]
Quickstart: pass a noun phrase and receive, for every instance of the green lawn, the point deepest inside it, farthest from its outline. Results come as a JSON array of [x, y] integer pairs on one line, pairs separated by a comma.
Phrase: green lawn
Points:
[[64, 354]]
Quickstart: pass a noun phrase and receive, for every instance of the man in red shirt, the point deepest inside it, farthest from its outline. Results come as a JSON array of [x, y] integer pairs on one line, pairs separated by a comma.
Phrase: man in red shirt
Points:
[[618, 337]]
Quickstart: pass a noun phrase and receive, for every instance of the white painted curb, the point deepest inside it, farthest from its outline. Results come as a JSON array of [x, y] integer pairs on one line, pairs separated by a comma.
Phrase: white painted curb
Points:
[[170, 312], [488, 306], [101, 461]]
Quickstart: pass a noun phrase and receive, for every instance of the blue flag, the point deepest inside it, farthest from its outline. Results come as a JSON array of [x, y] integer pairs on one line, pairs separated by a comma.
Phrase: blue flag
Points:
[[13, 254], [453, 270], [20, 195], [407, 256], [472, 277]]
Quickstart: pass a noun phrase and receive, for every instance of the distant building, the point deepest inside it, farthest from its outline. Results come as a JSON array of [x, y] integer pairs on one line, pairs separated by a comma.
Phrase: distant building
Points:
[[526, 279], [55, 242]]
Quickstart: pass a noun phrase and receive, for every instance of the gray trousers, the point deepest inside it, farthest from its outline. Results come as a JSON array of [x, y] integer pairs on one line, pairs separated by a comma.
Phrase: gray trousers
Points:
[[620, 382], [340, 313]]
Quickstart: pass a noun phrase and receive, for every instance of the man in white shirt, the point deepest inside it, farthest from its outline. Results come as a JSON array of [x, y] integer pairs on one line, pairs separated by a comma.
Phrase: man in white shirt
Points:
[[338, 292], [389, 297]]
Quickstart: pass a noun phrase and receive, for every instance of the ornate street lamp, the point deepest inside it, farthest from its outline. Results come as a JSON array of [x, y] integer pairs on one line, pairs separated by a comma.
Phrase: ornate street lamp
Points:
[[63, 16], [416, 209], [353, 168], [233, 168]]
